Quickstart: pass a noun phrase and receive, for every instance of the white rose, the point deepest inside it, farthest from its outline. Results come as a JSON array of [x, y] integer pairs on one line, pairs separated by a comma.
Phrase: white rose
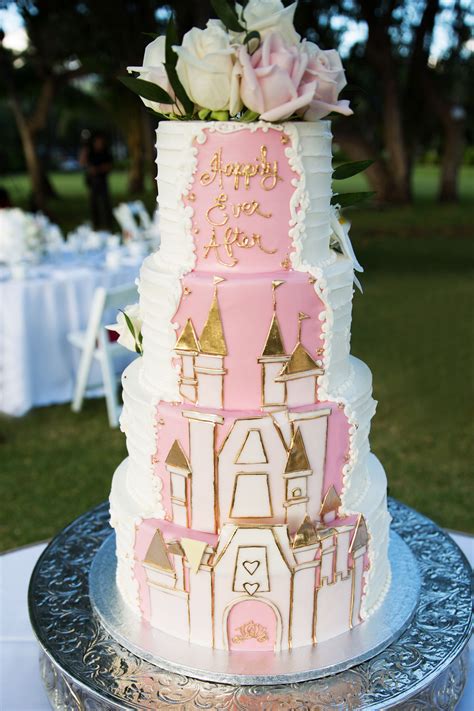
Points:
[[153, 70], [126, 338], [206, 68], [266, 16]]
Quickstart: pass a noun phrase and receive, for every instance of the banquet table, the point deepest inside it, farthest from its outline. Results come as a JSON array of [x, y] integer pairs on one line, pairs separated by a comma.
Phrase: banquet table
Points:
[[37, 363], [21, 687]]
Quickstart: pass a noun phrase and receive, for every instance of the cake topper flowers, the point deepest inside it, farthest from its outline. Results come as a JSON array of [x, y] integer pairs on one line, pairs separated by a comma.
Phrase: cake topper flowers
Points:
[[249, 64]]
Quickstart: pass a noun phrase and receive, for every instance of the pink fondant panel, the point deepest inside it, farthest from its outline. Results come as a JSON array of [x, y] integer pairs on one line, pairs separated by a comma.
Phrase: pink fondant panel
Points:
[[251, 626], [246, 310], [241, 195]]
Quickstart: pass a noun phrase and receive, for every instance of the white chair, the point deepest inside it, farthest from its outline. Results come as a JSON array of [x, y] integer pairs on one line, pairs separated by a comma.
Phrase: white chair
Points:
[[95, 343]]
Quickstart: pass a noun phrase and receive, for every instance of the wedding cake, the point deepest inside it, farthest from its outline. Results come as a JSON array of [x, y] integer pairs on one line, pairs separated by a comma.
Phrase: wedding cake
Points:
[[250, 513]]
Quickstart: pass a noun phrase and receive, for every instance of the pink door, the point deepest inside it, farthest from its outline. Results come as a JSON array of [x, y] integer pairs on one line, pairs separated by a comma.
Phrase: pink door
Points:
[[251, 626]]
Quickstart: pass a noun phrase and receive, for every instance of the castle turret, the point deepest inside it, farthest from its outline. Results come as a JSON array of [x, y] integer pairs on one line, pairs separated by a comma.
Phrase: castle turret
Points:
[[358, 549], [178, 467], [300, 374], [297, 471], [204, 495], [187, 347], [209, 366], [330, 505], [273, 359]]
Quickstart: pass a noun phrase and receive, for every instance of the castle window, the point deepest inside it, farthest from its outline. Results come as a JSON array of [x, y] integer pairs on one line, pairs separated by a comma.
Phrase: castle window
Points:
[[296, 488], [251, 496]]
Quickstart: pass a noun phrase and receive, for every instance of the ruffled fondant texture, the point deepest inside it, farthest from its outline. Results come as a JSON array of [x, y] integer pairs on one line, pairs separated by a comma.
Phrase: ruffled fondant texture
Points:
[[179, 269]]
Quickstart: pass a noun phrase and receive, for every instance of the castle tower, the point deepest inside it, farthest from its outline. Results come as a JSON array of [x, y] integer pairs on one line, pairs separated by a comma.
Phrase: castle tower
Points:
[[358, 549], [335, 583], [204, 494], [313, 425], [305, 541], [297, 471], [187, 348], [178, 467], [300, 373], [330, 505], [209, 364], [168, 599], [272, 360]]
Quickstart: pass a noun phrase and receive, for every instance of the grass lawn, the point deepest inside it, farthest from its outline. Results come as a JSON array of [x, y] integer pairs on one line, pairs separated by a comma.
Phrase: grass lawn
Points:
[[413, 325]]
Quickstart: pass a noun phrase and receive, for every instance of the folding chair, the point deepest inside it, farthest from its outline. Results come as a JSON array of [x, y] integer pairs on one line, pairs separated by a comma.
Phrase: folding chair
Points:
[[95, 343]]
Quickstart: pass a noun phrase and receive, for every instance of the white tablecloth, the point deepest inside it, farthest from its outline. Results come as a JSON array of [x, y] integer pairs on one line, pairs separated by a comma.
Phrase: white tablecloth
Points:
[[21, 688], [37, 363]]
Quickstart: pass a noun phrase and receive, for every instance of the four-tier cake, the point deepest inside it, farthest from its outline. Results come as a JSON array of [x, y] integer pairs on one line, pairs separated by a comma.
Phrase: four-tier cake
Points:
[[250, 513]]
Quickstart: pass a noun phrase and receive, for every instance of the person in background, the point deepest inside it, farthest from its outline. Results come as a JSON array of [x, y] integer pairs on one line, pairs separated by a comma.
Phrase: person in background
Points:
[[5, 200], [96, 159]]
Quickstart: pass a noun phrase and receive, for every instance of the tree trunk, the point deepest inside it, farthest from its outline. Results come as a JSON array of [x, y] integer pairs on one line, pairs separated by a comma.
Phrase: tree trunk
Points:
[[451, 160], [32, 160], [394, 142]]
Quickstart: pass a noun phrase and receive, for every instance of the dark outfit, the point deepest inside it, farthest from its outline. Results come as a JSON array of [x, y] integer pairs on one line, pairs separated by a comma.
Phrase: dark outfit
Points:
[[101, 210]]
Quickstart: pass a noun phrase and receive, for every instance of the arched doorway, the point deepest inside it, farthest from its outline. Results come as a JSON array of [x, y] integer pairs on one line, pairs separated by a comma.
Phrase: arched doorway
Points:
[[252, 626]]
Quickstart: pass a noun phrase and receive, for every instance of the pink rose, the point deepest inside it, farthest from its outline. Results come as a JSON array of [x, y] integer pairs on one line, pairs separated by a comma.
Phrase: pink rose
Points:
[[324, 67], [274, 79]]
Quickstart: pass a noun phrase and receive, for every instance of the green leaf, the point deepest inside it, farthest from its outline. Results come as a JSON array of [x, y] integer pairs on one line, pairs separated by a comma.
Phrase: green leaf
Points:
[[227, 14], [136, 337], [251, 36], [347, 199], [171, 58], [147, 90], [347, 170], [248, 116], [204, 114], [179, 89]]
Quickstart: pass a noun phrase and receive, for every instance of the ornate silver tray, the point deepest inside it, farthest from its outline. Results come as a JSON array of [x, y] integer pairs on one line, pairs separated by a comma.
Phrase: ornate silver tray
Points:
[[86, 668]]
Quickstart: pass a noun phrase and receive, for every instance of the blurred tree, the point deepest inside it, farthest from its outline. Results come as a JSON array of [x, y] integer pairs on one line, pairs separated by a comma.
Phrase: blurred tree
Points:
[[31, 84], [395, 81]]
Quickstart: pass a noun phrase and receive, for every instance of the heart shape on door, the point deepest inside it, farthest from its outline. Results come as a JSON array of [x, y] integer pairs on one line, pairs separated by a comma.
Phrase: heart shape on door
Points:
[[251, 588], [251, 566]]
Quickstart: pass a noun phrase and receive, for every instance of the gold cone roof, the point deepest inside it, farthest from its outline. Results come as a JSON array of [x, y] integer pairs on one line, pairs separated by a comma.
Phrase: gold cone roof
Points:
[[156, 554], [212, 337], [306, 534], [188, 340], [297, 458], [361, 535], [331, 501], [300, 362], [177, 459], [274, 344]]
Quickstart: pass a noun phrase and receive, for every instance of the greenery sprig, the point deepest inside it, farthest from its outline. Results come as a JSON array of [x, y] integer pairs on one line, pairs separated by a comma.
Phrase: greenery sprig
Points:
[[137, 336], [347, 170]]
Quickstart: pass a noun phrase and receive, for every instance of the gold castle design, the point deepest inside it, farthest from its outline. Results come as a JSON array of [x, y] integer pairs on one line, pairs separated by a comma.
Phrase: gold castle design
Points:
[[266, 530]]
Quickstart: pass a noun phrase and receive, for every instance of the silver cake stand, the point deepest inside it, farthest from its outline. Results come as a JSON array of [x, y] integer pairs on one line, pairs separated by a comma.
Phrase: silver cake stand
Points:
[[85, 667]]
